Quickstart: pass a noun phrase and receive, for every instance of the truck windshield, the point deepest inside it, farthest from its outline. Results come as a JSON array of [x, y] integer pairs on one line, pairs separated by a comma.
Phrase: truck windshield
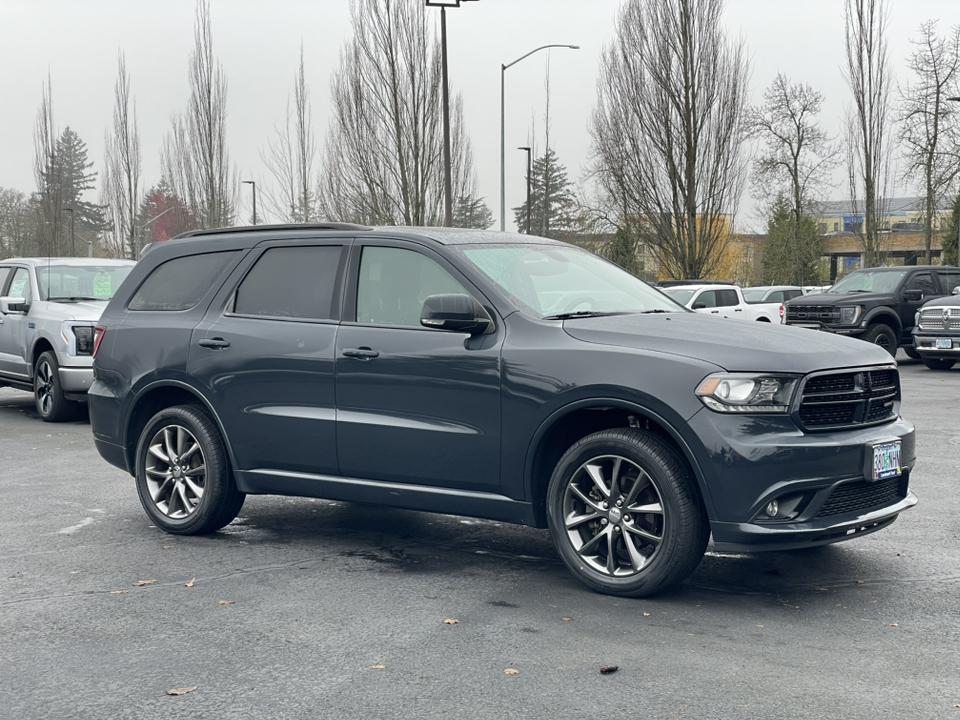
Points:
[[754, 296], [681, 295], [72, 283], [556, 280], [878, 281]]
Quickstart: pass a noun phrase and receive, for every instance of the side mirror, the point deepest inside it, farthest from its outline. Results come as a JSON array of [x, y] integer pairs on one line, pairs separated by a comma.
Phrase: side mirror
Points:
[[699, 306], [956, 290], [13, 305], [912, 295], [456, 312]]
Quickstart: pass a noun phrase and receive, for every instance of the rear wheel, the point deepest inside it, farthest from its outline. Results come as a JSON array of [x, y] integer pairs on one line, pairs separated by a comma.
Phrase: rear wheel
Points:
[[52, 404], [935, 364], [183, 475], [883, 336], [624, 513]]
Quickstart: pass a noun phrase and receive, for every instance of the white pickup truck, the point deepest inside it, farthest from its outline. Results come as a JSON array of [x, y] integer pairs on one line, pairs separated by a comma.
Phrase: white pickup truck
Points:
[[724, 300]]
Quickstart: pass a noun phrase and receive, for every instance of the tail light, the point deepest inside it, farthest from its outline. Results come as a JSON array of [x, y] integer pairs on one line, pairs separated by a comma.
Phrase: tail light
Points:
[[97, 338], [782, 312]]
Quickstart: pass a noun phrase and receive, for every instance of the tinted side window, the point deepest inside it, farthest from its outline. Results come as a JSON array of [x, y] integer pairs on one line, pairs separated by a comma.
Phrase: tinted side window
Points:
[[181, 283], [922, 282], [708, 299], [948, 280], [726, 298], [292, 282], [394, 283], [791, 294], [775, 296]]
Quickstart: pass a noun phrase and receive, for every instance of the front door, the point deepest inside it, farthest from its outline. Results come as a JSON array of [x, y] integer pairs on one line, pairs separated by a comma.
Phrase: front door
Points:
[[13, 331], [414, 405]]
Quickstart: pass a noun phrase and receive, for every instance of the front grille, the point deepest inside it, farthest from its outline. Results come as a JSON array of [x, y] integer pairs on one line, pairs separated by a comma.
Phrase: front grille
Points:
[[863, 495], [834, 401], [813, 313], [940, 318]]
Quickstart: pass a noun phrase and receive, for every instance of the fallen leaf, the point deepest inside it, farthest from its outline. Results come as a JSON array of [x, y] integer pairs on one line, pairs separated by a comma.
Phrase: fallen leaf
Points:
[[119, 592], [860, 582], [167, 547], [646, 614], [607, 669], [451, 621], [378, 667], [511, 671], [190, 584], [182, 691], [820, 589], [227, 602], [566, 619], [894, 624], [759, 625], [141, 583]]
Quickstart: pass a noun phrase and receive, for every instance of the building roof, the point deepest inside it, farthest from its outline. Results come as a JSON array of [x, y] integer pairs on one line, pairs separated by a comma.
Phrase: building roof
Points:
[[834, 208]]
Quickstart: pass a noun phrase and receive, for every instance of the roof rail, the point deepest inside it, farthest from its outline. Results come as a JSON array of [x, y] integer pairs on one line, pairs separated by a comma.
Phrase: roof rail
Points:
[[273, 228]]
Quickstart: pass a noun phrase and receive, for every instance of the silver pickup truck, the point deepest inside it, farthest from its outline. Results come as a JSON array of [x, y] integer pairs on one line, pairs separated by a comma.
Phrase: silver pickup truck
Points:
[[48, 310]]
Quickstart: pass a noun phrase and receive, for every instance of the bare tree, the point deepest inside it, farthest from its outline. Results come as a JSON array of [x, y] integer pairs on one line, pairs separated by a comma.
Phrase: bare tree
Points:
[[14, 223], [929, 130], [291, 159], [195, 160], [868, 137], [48, 199], [383, 155], [668, 126], [120, 190]]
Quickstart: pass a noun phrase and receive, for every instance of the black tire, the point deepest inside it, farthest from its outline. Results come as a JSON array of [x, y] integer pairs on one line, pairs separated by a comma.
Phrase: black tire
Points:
[[665, 546], [882, 335], [911, 352], [48, 396], [183, 475], [934, 364]]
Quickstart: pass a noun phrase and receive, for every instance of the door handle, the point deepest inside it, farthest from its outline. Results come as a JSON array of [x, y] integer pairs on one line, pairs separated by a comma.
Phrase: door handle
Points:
[[739, 310], [214, 343], [363, 353], [714, 312]]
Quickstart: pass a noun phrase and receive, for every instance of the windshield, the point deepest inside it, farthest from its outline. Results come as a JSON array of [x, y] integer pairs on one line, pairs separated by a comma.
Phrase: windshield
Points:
[[556, 281], [754, 296], [71, 283], [878, 281], [681, 295]]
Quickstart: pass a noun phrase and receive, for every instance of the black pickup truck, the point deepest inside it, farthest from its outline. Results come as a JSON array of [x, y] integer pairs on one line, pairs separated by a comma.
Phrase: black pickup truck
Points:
[[878, 305]]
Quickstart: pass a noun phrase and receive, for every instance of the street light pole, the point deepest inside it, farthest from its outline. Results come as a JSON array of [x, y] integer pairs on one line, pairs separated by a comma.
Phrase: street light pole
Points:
[[529, 150], [503, 71], [254, 184], [73, 245]]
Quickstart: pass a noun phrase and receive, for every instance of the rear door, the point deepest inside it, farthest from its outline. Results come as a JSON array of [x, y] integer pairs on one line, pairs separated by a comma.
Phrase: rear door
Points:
[[265, 356]]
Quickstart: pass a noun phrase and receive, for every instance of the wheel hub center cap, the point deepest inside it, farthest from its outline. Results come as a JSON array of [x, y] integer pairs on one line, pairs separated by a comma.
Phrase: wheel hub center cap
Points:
[[614, 515], [177, 472]]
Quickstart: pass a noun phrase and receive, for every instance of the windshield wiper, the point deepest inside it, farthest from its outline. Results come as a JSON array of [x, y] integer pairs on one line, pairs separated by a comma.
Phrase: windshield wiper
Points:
[[73, 298], [583, 314], [658, 310]]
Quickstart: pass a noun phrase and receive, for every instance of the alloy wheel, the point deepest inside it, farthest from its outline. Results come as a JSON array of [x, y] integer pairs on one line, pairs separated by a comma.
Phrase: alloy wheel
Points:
[[44, 387], [175, 471]]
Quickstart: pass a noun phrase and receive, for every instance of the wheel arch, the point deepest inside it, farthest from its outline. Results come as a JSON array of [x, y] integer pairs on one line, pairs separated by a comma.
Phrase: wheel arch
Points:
[[41, 346], [578, 419], [884, 316]]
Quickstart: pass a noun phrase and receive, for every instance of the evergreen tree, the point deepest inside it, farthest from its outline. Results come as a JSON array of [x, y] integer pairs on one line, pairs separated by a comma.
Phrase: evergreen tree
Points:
[[953, 235], [554, 211], [791, 254], [470, 212], [622, 250], [76, 179]]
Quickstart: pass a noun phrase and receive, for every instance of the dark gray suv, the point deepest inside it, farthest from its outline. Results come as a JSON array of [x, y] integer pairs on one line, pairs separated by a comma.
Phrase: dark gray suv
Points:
[[495, 375]]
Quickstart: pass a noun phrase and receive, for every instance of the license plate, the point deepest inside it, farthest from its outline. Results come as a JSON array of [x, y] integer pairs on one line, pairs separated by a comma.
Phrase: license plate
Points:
[[886, 460], [944, 343]]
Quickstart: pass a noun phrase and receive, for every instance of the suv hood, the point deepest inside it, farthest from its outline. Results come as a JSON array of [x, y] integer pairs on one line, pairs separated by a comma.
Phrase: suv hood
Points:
[[84, 310], [852, 298], [734, 345]]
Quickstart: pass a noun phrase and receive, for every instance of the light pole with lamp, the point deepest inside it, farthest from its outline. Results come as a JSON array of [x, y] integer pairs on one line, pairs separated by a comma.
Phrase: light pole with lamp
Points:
[[73, 244], [529, 150], [953, 99], [254, 184], [503, 71], [447, 181]]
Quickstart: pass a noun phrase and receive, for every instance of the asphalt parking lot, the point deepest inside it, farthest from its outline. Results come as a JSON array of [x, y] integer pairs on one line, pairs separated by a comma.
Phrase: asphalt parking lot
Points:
[[312, 609]]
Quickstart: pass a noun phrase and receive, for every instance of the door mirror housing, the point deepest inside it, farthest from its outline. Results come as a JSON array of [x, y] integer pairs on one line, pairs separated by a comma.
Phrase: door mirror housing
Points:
[[13, 305], [456, 312], [699, 306], [913, 295]]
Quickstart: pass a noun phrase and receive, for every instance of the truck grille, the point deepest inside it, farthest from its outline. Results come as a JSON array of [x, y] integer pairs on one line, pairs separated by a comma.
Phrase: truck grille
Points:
[[940, 318], [813, 313], [833, 401], [863, 495]]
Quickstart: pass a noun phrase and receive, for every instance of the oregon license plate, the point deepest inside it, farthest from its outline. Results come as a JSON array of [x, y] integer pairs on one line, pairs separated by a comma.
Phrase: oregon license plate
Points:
[[944, 343], [886, 460]]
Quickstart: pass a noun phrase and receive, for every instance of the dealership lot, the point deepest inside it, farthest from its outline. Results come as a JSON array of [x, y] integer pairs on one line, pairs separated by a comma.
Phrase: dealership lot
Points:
[[308, 609]]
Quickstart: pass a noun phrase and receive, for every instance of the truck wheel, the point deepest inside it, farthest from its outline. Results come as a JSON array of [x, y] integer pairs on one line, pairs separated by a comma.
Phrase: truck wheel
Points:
[[183, 474], [883, 336], [911, 352], [52, 404], [935, 364], [624, 513]]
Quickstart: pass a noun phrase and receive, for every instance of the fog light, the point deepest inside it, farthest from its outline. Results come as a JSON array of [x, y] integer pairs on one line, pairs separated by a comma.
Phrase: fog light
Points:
[[773, 507]]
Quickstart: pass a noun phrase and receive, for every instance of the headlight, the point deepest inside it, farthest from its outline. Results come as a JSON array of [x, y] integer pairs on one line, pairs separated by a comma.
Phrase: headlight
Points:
[[743, 393], [850, 315], [916, 320], [79, 338]]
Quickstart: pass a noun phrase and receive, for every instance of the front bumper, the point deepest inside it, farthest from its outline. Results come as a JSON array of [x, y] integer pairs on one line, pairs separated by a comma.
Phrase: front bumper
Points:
[[749, 461], [850, 331], [925, 343], [76, 379]]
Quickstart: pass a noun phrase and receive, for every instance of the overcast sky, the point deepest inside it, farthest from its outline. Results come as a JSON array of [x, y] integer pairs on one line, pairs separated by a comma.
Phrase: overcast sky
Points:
[[77, 42]]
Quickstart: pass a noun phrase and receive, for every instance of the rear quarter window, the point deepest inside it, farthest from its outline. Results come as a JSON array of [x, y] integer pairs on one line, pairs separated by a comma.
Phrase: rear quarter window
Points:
[[180, 283]]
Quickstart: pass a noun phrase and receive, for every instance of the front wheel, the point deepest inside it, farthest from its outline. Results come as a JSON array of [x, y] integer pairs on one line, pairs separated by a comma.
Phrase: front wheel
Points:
[[183, 475], [911, 352], [882, 336], [934, 364], [624, 513], [52, 404]]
